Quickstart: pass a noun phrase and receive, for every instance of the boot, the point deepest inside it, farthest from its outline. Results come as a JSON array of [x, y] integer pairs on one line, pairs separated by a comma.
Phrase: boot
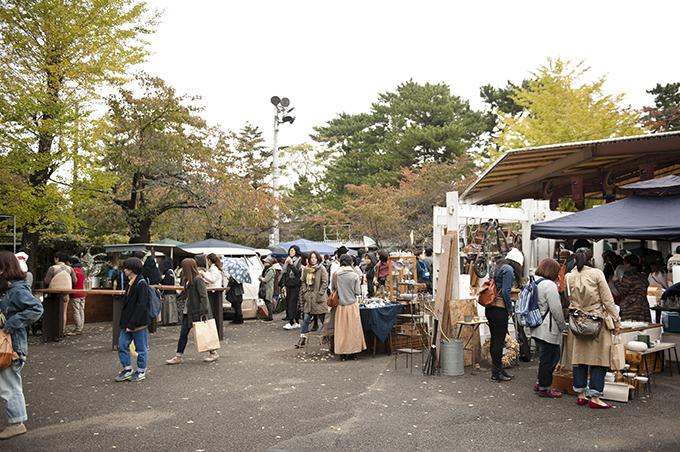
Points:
[[496, 374], [507, 374]]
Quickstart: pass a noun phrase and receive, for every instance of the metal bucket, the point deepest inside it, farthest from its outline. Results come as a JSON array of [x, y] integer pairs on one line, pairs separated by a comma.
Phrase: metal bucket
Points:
[[452, 357]]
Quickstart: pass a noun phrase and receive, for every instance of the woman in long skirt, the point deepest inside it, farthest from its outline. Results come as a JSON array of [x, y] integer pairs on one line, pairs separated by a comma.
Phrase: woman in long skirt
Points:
[[349, 336]]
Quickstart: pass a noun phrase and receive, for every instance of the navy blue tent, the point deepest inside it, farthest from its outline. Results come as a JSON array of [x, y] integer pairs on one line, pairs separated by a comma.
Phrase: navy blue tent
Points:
[[637, 217]]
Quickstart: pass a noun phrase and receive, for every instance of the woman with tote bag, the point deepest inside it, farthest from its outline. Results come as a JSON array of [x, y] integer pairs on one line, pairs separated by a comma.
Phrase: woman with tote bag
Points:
[[196, 308]]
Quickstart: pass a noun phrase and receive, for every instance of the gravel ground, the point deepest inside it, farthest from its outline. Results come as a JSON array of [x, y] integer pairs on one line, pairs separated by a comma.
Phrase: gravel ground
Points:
[[261, 395]]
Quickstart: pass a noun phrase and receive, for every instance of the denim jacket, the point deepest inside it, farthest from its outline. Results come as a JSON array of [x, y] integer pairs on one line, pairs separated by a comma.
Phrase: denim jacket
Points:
[[504, 278], [21, 309]]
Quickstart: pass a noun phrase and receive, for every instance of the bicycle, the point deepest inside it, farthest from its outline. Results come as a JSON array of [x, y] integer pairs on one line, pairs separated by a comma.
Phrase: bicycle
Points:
[[492, 228]]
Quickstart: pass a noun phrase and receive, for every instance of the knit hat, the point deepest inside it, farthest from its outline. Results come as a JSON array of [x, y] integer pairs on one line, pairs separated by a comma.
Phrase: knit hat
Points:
[[269, 260], [22, 258], [515, 255]]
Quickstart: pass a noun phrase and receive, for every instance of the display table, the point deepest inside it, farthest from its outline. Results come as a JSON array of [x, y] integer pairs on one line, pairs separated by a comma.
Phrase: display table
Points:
[[658, 348], [473, 348], [53, 310], [53, 305], [380, 321]]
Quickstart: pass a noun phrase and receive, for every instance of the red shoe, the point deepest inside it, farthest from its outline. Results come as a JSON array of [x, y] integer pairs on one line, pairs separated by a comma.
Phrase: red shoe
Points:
[[582, 401], [551, 393], [536, 387], [595, 405]]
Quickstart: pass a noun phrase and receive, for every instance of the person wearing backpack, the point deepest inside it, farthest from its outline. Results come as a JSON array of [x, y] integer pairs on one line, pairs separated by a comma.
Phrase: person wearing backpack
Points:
[[548, 335], [506, 274], [134, 320]]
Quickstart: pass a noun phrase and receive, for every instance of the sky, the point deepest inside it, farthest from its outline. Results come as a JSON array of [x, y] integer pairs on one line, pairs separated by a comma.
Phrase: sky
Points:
[[330, 57]]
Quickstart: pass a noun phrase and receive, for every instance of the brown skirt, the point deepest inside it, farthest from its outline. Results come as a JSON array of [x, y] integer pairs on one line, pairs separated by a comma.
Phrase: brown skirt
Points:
[[349, 336]]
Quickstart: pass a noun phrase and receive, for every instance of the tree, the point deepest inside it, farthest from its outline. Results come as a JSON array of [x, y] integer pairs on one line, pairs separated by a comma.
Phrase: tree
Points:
[[54, 55], [665, 116], [415, 125], [389, 214], [162, 154], [501, 99], [558, 109], [250, 155]]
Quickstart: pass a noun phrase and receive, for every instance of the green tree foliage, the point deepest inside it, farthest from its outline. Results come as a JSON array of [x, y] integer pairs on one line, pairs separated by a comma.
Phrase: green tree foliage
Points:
[[54, 54], [665, 116], [251, 156], [416, 125], [161, 153], [501, 99], [558, 108], [389, 214]]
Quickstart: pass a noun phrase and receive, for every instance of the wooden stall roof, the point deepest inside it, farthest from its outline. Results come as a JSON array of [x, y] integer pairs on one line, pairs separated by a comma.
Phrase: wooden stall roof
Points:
[[519, 174]]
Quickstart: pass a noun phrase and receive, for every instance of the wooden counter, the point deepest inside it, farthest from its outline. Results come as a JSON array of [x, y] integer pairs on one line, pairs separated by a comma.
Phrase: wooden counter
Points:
[[106, 305]]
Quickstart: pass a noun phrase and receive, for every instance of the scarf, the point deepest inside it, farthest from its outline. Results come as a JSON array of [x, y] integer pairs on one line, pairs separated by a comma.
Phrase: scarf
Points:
[[311, 272]]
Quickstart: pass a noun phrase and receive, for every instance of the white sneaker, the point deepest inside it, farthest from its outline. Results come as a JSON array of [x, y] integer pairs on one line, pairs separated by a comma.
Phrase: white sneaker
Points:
[[288, 326], [297, 325]]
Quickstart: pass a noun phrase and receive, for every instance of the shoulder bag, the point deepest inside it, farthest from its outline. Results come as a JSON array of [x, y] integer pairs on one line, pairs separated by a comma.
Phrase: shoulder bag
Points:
[[333, 297], [487, 293], [583, 324]]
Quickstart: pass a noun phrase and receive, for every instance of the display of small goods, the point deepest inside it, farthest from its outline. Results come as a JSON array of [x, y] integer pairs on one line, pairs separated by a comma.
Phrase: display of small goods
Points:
[[373, 302], [672, 301]]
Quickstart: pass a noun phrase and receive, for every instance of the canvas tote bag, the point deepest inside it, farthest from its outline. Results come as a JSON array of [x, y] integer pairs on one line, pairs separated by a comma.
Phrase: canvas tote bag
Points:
[[206, 338]]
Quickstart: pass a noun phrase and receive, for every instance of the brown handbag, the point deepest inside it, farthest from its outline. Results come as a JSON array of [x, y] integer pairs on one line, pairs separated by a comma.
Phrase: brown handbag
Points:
[[333, 297], [6, 350], [487, 293]]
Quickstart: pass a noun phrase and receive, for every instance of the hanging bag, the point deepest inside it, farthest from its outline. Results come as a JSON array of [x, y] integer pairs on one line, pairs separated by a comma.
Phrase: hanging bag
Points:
[[487, 293], [333, 297], [618, 357], [206, 338], [6, 351], [583, 324]]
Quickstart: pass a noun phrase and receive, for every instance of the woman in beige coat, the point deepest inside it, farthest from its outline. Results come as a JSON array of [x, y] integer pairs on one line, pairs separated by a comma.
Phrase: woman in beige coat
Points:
[[588, 291], [313, 290]]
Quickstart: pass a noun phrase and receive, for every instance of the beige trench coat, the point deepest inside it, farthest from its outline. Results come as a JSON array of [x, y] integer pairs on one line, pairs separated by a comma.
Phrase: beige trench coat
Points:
[[588, 291], [315, 296]]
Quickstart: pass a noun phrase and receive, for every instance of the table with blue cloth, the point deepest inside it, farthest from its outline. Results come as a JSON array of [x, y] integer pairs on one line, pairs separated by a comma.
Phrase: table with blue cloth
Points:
[[379, 322]]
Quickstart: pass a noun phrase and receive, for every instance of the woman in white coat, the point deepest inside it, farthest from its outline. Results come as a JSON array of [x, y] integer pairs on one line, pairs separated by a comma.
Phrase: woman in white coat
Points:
[[548, 335]]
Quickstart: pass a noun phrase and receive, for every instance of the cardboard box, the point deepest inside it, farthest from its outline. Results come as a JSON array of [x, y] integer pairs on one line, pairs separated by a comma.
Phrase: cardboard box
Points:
[[618, 392]]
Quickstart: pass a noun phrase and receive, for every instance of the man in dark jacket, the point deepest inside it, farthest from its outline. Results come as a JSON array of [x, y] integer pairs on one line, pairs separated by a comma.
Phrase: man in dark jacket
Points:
[[134, 320]]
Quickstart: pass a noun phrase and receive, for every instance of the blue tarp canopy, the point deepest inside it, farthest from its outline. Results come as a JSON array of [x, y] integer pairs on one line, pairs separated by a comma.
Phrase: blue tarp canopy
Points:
[[637, 217]]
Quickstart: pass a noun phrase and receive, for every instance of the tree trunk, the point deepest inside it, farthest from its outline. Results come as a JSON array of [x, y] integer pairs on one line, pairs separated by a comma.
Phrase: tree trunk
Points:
[[142, 234], [29, 243]]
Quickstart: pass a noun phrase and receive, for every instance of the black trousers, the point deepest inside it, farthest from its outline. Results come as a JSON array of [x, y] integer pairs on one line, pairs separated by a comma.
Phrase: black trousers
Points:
[[292, 296], [498, 327]]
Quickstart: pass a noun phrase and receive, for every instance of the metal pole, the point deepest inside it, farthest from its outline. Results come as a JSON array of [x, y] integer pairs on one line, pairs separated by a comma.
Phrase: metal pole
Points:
[[274, 238]]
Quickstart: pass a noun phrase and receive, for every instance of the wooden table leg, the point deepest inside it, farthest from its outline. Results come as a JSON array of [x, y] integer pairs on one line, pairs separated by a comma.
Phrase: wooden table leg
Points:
[[215, 297]]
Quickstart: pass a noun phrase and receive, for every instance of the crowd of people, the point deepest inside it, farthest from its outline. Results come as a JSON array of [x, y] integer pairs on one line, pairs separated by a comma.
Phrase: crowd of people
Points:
[[302, 282], [616, 293]]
